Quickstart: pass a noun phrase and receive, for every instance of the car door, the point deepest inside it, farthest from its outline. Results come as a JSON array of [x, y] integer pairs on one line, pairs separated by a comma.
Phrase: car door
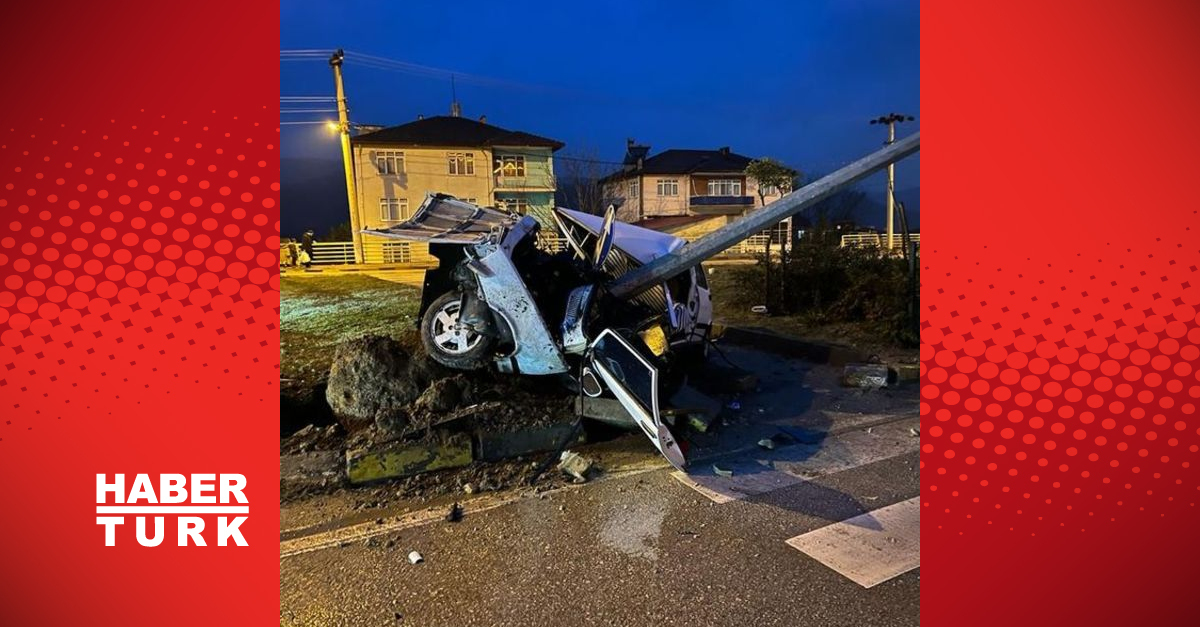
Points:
[[633, 379]]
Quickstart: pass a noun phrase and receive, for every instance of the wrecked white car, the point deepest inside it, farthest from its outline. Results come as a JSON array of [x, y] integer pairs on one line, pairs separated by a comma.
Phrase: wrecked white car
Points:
[[499, 298]]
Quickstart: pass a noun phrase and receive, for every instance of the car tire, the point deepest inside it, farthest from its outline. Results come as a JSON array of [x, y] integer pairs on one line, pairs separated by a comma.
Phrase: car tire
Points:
[[453, 347]]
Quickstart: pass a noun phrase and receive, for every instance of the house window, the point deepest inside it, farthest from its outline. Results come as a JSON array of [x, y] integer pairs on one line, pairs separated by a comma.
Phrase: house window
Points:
[[769, 190], [510, 165], [667, 187], [389, 161], [634, 188], [516, 205], [393, 209], [725, 187], [461, 163]]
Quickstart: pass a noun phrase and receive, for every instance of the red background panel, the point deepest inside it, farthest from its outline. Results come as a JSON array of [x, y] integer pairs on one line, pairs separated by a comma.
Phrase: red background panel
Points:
[[1060, 293], [138, 301]]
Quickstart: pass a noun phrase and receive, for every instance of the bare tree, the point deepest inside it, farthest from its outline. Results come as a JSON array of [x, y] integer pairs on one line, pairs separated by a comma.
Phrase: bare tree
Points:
[[579, 180]]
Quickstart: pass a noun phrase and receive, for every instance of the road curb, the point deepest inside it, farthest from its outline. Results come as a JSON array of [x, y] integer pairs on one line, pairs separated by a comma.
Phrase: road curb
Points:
[[816, 352]]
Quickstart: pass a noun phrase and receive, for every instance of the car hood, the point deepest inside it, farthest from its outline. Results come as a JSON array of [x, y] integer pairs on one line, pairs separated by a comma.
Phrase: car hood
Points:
[[444, 219], [644, 245]]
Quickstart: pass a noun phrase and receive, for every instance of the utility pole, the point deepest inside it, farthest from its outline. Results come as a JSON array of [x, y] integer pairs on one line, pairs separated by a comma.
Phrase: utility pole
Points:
[[343, 128], [891, 119]]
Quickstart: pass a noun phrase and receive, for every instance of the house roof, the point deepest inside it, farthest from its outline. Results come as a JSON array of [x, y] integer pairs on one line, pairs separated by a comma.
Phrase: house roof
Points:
[[664, 223], [681, 161], [444, 130]]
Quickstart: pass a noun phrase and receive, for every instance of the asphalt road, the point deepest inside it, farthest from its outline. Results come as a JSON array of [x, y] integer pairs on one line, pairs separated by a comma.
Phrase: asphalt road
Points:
[[638, 546]]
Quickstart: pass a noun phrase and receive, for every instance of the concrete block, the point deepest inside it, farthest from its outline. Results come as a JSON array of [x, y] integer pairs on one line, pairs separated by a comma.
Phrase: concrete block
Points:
[[865, 375], [403, 459], [607, 410], [310, 468], [495, 446]]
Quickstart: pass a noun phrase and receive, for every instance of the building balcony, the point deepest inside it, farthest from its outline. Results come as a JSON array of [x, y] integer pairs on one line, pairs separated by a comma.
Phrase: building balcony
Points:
[[532, 183], [720, 204]]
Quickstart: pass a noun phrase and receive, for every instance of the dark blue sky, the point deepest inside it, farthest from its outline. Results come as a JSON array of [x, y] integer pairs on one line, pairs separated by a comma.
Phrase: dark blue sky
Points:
[[794, 80]]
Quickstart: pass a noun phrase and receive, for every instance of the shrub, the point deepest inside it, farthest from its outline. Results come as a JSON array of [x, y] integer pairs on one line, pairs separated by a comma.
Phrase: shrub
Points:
[[827, 284]]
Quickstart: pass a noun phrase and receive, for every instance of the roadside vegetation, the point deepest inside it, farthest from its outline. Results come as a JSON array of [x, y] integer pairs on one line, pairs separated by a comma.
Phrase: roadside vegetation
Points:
[[821, 291]]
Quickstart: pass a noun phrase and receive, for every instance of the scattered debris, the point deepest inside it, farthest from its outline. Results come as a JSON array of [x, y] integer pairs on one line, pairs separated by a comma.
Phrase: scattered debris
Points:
[[767, 443], [868, 376], [735, 406], [721, 471], [575, 465], [415, 558], [455, 514], [759, 309], [468, 488], [914, 432]]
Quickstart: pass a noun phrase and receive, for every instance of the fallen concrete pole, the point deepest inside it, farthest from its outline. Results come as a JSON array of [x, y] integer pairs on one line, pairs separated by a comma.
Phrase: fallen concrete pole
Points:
[[757, 221]]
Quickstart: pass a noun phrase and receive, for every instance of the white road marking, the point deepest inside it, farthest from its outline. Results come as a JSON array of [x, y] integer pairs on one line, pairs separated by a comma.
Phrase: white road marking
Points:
[[870, 548], [794, 464]]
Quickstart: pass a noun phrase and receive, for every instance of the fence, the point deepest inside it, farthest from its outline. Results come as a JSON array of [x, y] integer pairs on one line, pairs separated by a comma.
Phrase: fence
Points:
[[380, 251], [877, 239], [375, 251]]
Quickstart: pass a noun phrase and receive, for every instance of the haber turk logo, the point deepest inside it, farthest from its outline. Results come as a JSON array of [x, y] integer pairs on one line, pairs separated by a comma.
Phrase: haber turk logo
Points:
[[192, 501]]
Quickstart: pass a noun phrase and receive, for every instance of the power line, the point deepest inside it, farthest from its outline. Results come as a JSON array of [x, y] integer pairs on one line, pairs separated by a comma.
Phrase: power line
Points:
[[415, 69]]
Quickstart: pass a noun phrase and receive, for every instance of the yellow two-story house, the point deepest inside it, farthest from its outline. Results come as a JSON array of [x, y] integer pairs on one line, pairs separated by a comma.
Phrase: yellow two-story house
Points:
[[395, 167]]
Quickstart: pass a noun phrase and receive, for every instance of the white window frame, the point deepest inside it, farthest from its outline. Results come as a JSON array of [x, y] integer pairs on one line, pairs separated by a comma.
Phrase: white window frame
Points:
[[393, 209], [724, 187], [634, 188], [389, 162], [668, 187], [768, 190], [516, 205], [460, 163], [517, 163]]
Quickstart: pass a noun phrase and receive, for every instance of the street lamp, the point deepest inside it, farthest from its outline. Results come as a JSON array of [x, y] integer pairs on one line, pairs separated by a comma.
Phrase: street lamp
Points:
[[891, 120]]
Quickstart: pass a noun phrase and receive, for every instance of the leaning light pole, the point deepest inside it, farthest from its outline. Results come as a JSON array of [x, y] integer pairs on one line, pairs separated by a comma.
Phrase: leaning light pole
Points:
[[725, 237]]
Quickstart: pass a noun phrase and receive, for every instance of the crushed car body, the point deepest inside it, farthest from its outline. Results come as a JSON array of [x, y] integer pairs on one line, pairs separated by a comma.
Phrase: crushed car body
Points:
[[500, 298]]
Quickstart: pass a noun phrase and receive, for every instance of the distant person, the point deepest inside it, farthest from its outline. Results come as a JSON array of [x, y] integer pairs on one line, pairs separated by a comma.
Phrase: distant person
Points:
[[293, 252], [306, 245]]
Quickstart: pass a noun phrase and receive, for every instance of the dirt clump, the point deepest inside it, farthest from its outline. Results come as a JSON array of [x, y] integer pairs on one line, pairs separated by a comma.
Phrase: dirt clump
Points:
[[373, 380]]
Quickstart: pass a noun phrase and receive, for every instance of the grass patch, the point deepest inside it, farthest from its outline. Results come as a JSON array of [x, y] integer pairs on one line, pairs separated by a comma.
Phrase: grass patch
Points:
[[317, 313]]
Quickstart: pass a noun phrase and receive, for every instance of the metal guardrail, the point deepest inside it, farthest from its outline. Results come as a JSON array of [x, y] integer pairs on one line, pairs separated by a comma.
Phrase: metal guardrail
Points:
[[417, 254], [374, 252], [878, 240]]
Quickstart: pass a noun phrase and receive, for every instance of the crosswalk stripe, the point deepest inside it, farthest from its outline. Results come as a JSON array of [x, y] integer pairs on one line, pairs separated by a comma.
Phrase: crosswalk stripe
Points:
[[871, 548], [751, 476]]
